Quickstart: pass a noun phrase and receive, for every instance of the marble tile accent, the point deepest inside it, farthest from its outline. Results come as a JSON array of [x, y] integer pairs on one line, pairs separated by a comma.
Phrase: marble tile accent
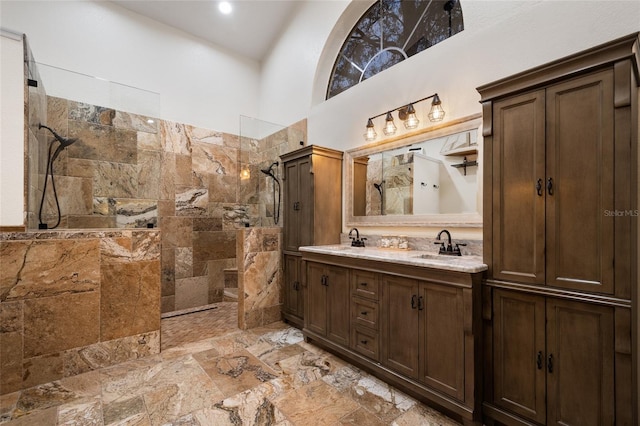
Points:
[[200, 135], [192, 201], [91, 114], [132, 213], [34, 269], [175, 138]]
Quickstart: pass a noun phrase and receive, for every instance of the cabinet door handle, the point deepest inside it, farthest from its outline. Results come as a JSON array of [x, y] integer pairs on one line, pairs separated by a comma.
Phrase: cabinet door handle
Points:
[[323, 280], [550, 186], [420, 303], [296, 205], [539, 187], [413, 301], [539, 360], [550, 363]]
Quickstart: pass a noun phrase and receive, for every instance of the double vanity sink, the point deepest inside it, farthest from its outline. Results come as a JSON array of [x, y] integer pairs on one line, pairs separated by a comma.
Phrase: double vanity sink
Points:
[[410, 317], [469, 264]]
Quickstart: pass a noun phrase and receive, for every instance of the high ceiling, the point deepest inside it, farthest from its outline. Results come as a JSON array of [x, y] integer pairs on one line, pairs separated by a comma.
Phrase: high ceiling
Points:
[[250, 30]]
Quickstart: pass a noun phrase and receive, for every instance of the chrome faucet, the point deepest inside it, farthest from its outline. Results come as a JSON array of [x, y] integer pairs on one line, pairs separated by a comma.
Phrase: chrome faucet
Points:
[[356, 241], [448, 249]]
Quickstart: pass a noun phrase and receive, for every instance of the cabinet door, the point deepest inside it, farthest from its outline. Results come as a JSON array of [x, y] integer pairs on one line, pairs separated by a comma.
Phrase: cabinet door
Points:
[[580, 350], [305, 199], [293, 295], [291, 224], [519, 353], [316, 310], [400, 324], [580, 154], [442, 337], [518, 205], [338, 299]]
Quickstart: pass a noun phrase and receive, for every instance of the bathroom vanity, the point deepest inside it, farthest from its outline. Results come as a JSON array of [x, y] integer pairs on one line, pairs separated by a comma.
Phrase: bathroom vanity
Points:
[[409, 317]]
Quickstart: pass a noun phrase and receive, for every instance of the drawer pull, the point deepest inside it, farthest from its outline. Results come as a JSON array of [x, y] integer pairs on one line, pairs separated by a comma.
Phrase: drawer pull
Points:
[[364, 313], [363, 284], [364, 342]]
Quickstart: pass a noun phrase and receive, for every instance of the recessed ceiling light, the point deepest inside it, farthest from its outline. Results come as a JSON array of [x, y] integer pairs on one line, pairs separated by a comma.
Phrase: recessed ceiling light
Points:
[[225, 7]]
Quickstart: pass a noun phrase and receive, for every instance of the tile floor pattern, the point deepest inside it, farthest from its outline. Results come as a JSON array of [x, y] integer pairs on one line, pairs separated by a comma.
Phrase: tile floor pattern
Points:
[[212, 373]]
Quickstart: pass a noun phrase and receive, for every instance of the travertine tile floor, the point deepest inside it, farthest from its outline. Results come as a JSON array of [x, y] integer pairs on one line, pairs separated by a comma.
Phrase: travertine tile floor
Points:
[[212, 373]]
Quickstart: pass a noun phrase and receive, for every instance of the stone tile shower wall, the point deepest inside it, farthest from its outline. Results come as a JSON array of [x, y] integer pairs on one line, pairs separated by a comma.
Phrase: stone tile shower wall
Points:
[[125, 172], [76, 301]]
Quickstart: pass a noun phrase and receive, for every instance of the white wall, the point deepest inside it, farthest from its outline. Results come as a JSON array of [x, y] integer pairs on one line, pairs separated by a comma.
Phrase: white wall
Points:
[[199, 83], [11, 130], [500, 38]]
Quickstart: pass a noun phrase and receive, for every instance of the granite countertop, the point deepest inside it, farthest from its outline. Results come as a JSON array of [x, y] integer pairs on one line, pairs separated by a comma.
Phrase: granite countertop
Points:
[[469, 264]]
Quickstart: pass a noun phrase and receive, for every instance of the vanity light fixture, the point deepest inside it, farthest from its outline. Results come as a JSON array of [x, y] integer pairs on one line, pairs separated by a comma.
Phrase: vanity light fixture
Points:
[[407, 114], [389, 126]]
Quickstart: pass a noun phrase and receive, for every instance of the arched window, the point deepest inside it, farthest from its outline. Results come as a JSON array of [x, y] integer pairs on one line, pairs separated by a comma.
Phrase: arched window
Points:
[[390, 31]]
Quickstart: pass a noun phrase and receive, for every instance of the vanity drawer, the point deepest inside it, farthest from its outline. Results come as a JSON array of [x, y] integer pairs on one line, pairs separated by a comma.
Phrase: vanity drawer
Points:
[[365, 342], [364, 312], [364, 284]]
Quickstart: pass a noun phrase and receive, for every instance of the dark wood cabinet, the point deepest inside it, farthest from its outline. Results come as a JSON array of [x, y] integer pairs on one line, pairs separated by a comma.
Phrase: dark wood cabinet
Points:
[[561, 241], [552, 182], [293, 305], [328, 301], [423, 334], [553, 358], [414, 327], [312, 215]]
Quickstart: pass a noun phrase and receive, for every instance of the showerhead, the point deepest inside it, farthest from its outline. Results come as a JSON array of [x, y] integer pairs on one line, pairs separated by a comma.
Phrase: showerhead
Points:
[[378, 186], [269, 171], [64, 142]]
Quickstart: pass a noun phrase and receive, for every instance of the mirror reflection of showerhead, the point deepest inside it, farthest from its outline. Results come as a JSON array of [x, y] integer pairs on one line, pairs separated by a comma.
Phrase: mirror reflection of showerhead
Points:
[[64, 142], [378, 186]]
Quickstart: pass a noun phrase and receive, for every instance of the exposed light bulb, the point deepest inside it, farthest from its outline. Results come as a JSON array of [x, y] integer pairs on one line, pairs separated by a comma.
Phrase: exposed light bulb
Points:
[[371, 131], [389, 126], [411, 121], [225, 7], [436, 113]]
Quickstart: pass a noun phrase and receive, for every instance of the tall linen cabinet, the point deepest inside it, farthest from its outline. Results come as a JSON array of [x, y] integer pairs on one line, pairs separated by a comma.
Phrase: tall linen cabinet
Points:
[[312, 215], [561, 241]]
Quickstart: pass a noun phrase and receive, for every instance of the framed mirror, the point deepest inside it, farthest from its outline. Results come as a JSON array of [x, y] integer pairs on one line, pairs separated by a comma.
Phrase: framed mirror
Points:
[[427, 178]]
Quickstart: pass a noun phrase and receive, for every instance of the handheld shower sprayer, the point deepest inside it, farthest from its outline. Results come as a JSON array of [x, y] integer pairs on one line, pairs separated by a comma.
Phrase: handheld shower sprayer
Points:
[[276, 208], [269, 170], [63, 143]]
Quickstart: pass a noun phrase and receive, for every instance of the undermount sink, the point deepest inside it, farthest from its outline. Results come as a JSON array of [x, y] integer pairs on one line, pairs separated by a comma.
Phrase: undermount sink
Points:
[[434, 256]]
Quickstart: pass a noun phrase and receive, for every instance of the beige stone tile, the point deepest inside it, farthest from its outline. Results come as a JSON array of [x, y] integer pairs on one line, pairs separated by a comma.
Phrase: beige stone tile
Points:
[[168, 280], [183, 171], [7, 405], [44, 417], [145, 245], [84, 112], [206, 136], [214, 245], [149, 141], [235, 372], [317, 401], [176, 231], [168, 176], [223, 188], [127, 411], [42, 271], [115, 180], [191, 292], [363, 417], [51, 324], [91, 222], [102, 143], [140, 123], [58, 114], [174, 138], [83, 412], [78, 167], [423, 415], [191, 201], [130, 299], [262, 280], [149, 174], [168, 304], [42, 369], [184, 262], [10, 347]]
